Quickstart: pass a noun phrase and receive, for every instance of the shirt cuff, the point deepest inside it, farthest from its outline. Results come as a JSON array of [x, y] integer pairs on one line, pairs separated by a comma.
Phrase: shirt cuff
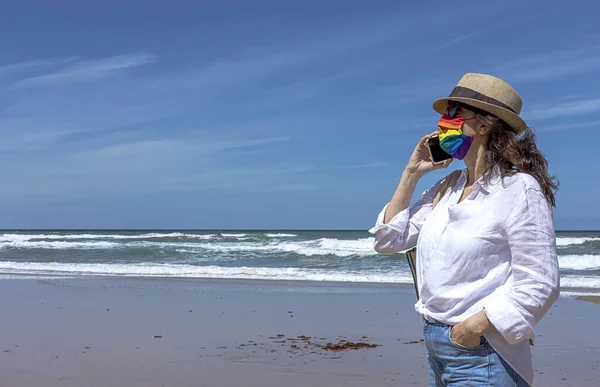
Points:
[[507, 319], [397, 223]]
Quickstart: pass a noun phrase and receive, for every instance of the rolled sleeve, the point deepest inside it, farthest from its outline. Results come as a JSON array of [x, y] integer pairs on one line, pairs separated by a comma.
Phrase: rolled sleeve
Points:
[[508, 319], [392, 236], [516, 309], [397, 223], [402, 231]]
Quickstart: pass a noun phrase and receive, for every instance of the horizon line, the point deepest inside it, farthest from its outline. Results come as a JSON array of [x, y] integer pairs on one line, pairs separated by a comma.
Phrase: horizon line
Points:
[[213, 229]]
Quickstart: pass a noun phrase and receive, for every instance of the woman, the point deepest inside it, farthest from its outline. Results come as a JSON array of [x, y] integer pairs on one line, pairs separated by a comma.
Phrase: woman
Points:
[[487, 270]]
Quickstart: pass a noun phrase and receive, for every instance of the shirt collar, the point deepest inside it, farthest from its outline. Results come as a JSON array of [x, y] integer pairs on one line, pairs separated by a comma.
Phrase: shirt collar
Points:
[[482, 186]]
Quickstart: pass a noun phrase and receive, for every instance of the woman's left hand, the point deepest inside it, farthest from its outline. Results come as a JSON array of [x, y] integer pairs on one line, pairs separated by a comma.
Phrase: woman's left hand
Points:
[[468, 333], [463, 338]]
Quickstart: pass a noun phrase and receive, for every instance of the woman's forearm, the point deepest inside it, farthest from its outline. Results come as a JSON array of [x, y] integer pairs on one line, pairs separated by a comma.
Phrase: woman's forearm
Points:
[[404, 192]]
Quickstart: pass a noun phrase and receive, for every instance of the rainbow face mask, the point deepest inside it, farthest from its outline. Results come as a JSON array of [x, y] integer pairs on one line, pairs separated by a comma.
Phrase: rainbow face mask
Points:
[[452, 139]]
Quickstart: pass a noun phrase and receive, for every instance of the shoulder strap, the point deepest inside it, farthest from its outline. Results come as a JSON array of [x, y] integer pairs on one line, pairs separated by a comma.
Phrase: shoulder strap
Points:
[[446, 186]]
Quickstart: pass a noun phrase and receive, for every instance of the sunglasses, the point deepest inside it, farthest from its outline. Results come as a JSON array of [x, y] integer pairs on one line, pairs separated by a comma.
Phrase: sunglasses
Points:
[[453, 109]]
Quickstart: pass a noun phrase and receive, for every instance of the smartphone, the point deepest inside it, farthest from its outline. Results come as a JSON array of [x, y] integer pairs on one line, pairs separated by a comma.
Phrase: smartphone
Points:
[[437, 154]]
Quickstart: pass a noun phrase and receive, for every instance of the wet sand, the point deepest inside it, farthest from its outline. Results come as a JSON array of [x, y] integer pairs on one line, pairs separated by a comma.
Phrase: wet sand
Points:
[[146, 332], [593, 299]]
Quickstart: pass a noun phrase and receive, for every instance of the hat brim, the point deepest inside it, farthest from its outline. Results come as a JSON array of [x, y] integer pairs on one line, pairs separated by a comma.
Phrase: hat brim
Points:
[[512, 119]]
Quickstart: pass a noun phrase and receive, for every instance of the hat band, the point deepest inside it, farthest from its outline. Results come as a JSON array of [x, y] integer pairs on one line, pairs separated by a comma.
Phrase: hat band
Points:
[[464, 92]]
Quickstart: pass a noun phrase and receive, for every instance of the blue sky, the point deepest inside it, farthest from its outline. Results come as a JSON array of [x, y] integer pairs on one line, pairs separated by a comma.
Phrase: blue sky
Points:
[[271, 114]]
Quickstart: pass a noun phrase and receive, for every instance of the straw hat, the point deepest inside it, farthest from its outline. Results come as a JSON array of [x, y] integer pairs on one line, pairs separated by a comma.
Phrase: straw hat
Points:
[[489, 94]]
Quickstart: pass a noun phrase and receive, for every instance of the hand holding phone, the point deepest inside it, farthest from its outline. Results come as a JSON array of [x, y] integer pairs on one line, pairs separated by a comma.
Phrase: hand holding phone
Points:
[[422, 161], [437, 154]]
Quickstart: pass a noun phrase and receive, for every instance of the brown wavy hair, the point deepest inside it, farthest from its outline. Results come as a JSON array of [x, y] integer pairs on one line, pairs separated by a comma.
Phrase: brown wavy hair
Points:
[[513, 153]]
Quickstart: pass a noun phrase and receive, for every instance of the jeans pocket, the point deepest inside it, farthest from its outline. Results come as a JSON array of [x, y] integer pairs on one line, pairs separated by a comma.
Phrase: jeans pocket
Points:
[[482, 343]]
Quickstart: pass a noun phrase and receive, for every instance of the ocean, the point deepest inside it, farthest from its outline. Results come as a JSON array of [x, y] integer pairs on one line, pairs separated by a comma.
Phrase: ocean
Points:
[[336, 256]]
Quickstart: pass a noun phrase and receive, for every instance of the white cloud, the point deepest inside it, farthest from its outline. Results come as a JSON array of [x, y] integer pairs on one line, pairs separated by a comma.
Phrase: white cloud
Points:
[[291, 187], [567, 109], [371, 164], [457, 40], [552, 65], [174, 148], [135, 148], [91, 69], [570, 126], [32, 64], [255, 65], [231, 70], [173, 125], [242, 144], [397, 95]]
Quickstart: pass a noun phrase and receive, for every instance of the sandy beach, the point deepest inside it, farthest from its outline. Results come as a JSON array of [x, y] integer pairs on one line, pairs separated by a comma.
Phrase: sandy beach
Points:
[[145, 332]]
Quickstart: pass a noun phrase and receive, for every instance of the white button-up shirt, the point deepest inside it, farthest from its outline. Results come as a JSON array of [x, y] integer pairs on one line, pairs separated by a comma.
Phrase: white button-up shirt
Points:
[[494, 251]]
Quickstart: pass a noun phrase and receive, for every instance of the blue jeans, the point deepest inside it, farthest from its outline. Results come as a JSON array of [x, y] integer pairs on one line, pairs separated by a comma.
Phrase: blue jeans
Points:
[[456, 366]]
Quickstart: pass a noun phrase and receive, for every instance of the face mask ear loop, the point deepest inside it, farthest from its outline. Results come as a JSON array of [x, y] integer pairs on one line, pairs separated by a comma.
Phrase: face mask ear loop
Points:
[[471, 118]]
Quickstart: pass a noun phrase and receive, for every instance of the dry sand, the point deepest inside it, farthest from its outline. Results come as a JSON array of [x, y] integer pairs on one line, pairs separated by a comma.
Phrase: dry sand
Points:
[[143, 332]]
